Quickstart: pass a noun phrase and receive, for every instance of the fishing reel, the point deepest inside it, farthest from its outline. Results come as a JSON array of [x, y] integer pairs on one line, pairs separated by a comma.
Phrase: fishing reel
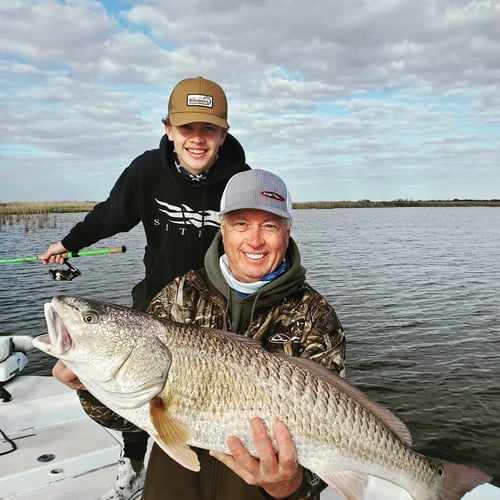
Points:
[[68, 274]]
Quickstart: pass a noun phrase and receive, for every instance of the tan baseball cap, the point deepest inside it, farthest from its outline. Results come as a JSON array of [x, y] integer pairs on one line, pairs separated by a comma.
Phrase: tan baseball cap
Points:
[[197, 100]]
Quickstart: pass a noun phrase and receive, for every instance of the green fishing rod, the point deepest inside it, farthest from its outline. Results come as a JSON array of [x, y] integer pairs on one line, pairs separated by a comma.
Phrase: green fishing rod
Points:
[[68, 255], [72, 271]]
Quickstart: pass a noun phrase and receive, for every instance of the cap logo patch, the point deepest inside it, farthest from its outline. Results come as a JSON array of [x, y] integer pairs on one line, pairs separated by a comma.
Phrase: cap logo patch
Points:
[[206, 101], [273, 195]]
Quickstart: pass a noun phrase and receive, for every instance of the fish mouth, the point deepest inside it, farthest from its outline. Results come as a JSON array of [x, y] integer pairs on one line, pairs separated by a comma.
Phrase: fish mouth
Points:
[[58, 339]]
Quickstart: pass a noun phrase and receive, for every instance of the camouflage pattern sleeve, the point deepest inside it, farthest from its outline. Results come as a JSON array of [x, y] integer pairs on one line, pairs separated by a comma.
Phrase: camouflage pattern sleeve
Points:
[[318, 333], [161, 303]]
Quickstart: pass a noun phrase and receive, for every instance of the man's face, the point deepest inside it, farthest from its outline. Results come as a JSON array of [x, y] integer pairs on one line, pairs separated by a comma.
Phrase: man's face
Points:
[[255, 243], [196, 144]]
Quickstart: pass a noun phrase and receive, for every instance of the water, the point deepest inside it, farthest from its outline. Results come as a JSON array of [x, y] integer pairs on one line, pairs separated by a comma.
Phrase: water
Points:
[[25, 287], [417, 290]]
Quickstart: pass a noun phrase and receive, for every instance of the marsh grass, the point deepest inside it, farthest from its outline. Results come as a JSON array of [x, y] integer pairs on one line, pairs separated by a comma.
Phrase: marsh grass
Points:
[[43, 214], [40, 214], [397, 203]]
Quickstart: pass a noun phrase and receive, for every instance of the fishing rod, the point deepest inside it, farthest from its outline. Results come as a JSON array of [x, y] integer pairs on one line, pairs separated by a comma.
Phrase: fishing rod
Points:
[[68, 255], [72, 271]]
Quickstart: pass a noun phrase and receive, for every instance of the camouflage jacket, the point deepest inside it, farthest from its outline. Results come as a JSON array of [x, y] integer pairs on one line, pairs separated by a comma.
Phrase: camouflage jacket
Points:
[[298, 322], [286, 315], [302, 324]]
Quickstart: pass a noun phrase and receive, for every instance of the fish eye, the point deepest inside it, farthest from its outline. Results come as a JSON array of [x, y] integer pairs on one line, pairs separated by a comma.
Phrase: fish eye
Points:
[[90, 317]]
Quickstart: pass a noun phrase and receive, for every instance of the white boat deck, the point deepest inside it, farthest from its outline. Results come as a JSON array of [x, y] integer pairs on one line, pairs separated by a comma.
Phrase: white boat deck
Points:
[[46, 422]]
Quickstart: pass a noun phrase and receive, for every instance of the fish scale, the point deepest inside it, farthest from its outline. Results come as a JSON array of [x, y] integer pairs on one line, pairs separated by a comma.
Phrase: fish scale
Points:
[[290, 390], [212, 382]]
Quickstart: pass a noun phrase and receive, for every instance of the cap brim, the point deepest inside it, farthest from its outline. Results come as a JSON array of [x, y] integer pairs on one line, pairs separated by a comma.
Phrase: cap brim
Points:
[[178, 119], [271, 210]]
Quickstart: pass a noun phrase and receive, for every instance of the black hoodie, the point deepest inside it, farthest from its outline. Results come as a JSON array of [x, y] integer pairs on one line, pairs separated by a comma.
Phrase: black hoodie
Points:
[[179, 215]]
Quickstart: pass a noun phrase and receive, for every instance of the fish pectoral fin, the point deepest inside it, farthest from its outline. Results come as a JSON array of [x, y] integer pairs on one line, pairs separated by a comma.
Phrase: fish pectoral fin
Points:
[[350, 484], [170, 430], [181, 453], [172, 435]]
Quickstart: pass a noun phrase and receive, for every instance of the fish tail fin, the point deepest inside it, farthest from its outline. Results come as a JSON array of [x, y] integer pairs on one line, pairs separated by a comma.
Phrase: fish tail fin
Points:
[[458, 479]]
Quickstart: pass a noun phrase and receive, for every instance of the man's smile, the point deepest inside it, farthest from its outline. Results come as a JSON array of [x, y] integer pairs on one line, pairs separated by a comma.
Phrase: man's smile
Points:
[[254, 256]]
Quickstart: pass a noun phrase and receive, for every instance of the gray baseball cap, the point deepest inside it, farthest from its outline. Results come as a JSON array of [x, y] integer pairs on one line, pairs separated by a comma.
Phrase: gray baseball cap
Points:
[[257, 189]]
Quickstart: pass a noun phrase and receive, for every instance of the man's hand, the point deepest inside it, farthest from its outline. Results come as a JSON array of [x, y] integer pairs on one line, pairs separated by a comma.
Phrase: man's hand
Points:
[[62, 373], [276, 472]]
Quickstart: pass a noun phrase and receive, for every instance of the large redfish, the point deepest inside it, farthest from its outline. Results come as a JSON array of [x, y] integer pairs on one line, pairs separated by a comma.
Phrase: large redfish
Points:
[[192, 386]]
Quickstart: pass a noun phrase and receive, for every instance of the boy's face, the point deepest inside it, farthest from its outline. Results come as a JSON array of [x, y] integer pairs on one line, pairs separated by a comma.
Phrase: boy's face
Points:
[[196, 144]]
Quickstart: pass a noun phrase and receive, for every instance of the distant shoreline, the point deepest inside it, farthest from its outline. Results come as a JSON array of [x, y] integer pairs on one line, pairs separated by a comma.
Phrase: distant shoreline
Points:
[[34, 208], [396, 203], [45, 207]]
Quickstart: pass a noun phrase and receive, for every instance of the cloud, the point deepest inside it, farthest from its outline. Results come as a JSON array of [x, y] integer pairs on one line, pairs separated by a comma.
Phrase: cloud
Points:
[[345, 99]]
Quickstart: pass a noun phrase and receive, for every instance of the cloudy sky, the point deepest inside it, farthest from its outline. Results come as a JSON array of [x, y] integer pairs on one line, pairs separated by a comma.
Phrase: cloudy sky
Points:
[[345, 99]]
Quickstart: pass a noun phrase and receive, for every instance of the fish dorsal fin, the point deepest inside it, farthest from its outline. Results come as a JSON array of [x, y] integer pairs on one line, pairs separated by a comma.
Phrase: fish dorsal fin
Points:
[[182, 454], [350, 484], [238, 337], [391, 421]]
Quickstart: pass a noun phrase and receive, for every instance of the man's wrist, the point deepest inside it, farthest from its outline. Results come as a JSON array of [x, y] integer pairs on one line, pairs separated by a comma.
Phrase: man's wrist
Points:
[[310, 486]]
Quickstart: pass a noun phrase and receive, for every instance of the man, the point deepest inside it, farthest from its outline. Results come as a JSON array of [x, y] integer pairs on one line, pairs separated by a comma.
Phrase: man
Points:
[[175, 192], [252, 284]]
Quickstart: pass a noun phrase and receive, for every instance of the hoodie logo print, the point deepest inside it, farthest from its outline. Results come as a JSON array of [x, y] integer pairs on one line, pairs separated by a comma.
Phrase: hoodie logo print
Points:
[[185, 215]]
